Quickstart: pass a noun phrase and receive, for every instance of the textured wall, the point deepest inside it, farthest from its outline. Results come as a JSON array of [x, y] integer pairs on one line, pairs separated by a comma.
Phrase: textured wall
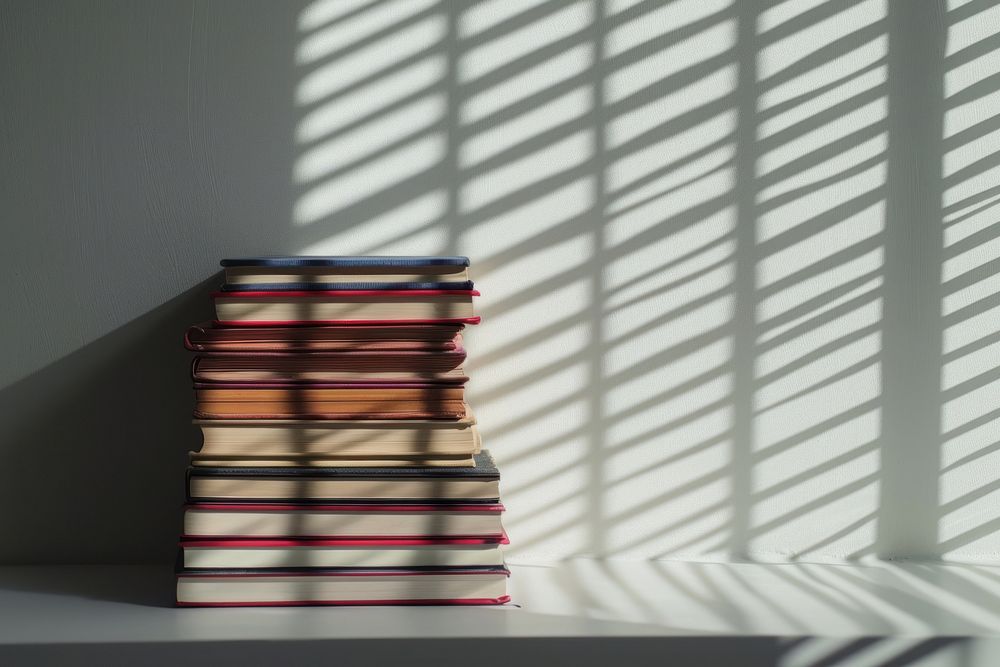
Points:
[[141, 142], [737, 258]]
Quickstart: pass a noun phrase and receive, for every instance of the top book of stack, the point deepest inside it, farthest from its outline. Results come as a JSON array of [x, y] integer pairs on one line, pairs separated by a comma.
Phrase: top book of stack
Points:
[[264, 291]]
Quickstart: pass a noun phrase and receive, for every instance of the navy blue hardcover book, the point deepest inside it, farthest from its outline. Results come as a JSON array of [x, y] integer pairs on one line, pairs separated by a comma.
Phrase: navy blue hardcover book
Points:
[[296, 274], [320, 287], [343, 262]]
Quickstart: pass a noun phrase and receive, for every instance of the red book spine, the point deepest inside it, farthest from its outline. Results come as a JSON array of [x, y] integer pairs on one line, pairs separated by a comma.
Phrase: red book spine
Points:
[[488, 508], [416, 541], [351, 603], [343, 293], [346, 323]]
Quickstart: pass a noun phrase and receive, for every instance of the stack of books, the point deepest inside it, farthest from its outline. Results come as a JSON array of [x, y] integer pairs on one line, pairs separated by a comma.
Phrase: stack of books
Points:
[[340, 461]]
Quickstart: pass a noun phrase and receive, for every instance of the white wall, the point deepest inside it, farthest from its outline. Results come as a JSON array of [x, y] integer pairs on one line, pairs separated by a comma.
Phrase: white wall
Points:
[[737, 259]]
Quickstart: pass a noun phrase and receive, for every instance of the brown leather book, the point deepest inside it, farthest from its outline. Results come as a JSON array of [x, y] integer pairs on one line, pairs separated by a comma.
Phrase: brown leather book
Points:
[[329, 401]]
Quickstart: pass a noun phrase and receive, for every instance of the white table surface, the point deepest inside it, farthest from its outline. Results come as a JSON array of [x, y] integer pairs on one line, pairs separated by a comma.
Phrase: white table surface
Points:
[[783, 614]]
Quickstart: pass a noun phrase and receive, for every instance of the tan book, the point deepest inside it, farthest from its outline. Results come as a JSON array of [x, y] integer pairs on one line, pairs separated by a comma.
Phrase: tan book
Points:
[[213, 520], [198, 459], [276, 554], [349, 439], [240, 587], [363, 306]]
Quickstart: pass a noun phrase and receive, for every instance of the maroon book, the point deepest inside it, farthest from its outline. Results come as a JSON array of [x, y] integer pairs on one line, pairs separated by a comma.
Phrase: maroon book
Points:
[[209, 337], [353, 366]]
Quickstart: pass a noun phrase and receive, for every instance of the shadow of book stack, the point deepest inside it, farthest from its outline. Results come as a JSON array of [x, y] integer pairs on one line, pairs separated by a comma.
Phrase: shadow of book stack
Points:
[[340, 462]]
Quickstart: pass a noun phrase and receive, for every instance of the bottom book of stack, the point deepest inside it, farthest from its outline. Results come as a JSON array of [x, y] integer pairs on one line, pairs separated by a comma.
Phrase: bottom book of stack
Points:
[[346, 586]]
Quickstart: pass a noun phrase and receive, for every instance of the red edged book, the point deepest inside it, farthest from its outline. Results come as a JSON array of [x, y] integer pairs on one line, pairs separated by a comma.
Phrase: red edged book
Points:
[[340, 366], [355, 520], [343, 586], [290, 553], [209, 337], [360, 307]]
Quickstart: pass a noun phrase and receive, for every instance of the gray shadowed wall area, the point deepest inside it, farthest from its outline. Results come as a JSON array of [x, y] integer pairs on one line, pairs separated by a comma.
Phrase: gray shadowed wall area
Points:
[[738, 259]]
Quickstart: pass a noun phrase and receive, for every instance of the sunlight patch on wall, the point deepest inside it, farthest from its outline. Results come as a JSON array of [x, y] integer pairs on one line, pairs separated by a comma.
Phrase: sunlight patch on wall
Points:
[[783, 12], [645, 73], [845, 66], [601, 203], [357, 185], [479, 17], [551, 73], [634, 378], [694, 200], [674, 507], [319, 13], [973, 29], [801, 258], [370, 100], [822, 137], [481, 58], [496, 372], [649, 436], [369, 139], [351, 33], [793, 300], [649, 26], [817, 370], [667, 279], [816, 484], [969, 494], [712, 260], [371, 128], [667, 163], [507, 233], [789, 50], [821, 171], [544, 118], [367, 62], [514, 175], [403, 230]]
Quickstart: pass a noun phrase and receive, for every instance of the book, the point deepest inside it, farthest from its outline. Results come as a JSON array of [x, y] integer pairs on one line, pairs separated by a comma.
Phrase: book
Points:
[[198, 459], [349, 439], [356, 366], [346, 520], [345, 306], [199, 553], [329, 401], [345, 586], [209, 337], [352, 273], [479, 483]]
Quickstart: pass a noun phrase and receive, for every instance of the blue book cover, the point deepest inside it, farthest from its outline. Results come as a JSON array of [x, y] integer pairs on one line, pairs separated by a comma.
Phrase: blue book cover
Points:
[[330, 287], [348, 261]]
